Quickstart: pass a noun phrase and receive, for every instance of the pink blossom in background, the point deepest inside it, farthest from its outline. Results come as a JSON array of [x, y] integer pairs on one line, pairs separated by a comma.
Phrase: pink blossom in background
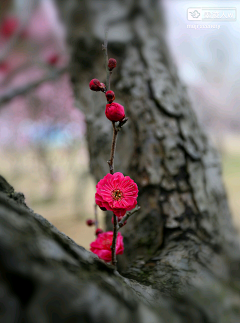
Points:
[[102, 245], [8, 26], [46, 114], [116, 193]]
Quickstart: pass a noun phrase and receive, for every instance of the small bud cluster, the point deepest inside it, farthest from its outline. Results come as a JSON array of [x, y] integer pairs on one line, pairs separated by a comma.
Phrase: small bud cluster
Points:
[[114, 111]]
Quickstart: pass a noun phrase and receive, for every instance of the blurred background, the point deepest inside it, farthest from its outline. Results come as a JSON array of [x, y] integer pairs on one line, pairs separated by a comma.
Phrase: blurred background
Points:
[[43, 150]]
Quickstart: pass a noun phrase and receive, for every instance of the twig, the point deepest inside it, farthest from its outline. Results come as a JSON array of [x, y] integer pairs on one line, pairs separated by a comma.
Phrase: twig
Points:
[[104, 47], [96, 216], [109, 79], [9, 95], [113, 148], [114, 242], [127, 216], [121, 124]]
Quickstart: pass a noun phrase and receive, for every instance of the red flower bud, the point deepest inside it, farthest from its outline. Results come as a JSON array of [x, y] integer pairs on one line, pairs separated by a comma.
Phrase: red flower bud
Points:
[[112, 63], [90, 222], [110, 96], [98, 231], [114, 112], [95, 85]]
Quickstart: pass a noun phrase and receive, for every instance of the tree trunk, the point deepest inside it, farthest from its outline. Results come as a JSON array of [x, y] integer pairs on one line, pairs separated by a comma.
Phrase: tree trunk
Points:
[[180, 249], [162, 147]]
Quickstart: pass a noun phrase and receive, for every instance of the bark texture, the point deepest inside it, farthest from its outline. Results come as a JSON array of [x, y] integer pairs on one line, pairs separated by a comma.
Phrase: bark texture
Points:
[[182, 258]]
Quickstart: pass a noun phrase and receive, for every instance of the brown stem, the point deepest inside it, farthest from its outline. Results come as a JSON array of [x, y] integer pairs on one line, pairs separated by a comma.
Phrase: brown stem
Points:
[[96, 216], [127, 216], [104, 47], [111, 168], [113, 148], [114, 242], [109, 74]]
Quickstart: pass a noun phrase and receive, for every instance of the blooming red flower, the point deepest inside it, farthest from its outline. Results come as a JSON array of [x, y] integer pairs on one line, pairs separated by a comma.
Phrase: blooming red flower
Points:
[[115, 112], [102, 245], [112, 63], [117, 193], [110, 96]]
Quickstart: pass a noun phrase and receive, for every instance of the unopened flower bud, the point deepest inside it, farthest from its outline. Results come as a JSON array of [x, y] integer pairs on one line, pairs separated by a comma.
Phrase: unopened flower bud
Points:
[[90, 222], [115, 112], [95, 85], [112, 63], [98, 231], [110, 96]]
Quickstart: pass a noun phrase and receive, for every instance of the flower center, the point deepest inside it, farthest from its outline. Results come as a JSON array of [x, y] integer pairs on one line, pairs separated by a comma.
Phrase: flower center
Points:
[[117, 195], [107, 244]]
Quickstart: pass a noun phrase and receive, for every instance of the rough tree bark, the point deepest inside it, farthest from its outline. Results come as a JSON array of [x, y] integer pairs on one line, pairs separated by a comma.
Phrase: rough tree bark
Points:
[[182, 258]]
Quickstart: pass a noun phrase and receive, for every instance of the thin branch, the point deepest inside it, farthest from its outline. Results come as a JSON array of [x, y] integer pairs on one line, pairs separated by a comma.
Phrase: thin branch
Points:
[[96, 216], [104, 47], [111, 168], [9, 95], [127, 216], [121, 124], [109, 80], [114, 242], [113, 148]]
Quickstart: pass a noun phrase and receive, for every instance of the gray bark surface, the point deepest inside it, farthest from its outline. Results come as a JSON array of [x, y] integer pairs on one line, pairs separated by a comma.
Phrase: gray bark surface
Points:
[[181, 260]]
